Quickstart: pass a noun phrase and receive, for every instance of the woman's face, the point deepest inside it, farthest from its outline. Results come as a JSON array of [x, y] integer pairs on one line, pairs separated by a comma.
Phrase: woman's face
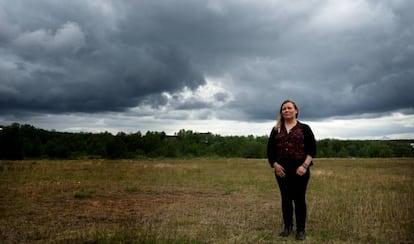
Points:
[[289, 111]]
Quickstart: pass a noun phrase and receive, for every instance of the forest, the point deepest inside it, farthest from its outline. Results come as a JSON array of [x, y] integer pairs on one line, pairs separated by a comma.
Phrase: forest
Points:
[[23, 141]]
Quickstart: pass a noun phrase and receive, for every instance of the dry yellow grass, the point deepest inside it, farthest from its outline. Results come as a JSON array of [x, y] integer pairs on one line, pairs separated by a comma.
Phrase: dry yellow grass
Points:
[[201, 201]]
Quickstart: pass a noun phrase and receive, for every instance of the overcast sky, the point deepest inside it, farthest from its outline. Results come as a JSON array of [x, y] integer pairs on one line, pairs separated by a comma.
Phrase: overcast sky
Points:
[[222, 66]]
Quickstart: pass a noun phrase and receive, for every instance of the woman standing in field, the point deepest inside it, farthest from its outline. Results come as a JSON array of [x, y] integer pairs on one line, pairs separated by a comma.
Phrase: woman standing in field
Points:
[[290, 150]]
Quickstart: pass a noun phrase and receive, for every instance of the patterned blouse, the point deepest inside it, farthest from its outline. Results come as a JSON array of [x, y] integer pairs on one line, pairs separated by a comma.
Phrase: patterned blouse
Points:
[[290, 149]]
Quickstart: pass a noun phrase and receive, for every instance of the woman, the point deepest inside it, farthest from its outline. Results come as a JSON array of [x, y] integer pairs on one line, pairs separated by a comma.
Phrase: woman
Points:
[[290, 150]]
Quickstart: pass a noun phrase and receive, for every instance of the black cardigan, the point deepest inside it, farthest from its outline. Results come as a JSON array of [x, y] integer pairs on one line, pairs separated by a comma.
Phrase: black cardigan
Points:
[[310, 144]]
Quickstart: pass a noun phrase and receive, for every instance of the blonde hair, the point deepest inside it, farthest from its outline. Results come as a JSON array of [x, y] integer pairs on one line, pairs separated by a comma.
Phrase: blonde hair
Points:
[[280, 120]]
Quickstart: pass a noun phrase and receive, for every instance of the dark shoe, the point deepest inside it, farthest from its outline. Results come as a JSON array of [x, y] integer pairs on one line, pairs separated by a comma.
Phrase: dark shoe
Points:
[[286, 231], [300, 235]]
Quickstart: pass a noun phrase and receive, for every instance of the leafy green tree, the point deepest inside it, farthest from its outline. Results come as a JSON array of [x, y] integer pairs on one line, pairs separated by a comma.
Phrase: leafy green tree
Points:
[[11, 142], [152, 143], [25, 141]]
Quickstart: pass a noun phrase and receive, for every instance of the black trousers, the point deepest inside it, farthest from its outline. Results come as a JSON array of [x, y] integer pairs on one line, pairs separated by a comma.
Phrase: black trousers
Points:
[[293, 191]]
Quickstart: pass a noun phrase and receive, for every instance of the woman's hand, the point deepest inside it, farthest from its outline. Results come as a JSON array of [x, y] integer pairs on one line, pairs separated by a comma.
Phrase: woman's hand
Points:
[[280, 171], [301, 170]]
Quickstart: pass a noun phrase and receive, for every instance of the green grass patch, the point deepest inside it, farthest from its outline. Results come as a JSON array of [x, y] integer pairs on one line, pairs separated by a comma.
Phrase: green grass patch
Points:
[[201, 201], [132, 189], [82, 194]]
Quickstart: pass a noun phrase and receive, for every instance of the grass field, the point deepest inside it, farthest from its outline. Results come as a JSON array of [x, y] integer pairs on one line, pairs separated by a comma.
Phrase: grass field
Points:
[[201, 201]]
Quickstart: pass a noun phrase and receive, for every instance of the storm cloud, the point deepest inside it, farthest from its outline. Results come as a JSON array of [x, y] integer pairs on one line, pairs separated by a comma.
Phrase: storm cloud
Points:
[[218, 59]]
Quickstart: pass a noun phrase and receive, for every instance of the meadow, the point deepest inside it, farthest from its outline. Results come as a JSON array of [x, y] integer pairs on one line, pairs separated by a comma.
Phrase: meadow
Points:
[[201, 201]]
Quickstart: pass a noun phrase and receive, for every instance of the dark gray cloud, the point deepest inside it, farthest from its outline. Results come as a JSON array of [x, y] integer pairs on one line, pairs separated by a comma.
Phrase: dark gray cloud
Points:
[[75, 66], [335, 58]]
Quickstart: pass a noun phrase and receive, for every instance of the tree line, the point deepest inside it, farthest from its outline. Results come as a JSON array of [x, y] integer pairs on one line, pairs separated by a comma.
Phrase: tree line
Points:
[[27, 142]]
